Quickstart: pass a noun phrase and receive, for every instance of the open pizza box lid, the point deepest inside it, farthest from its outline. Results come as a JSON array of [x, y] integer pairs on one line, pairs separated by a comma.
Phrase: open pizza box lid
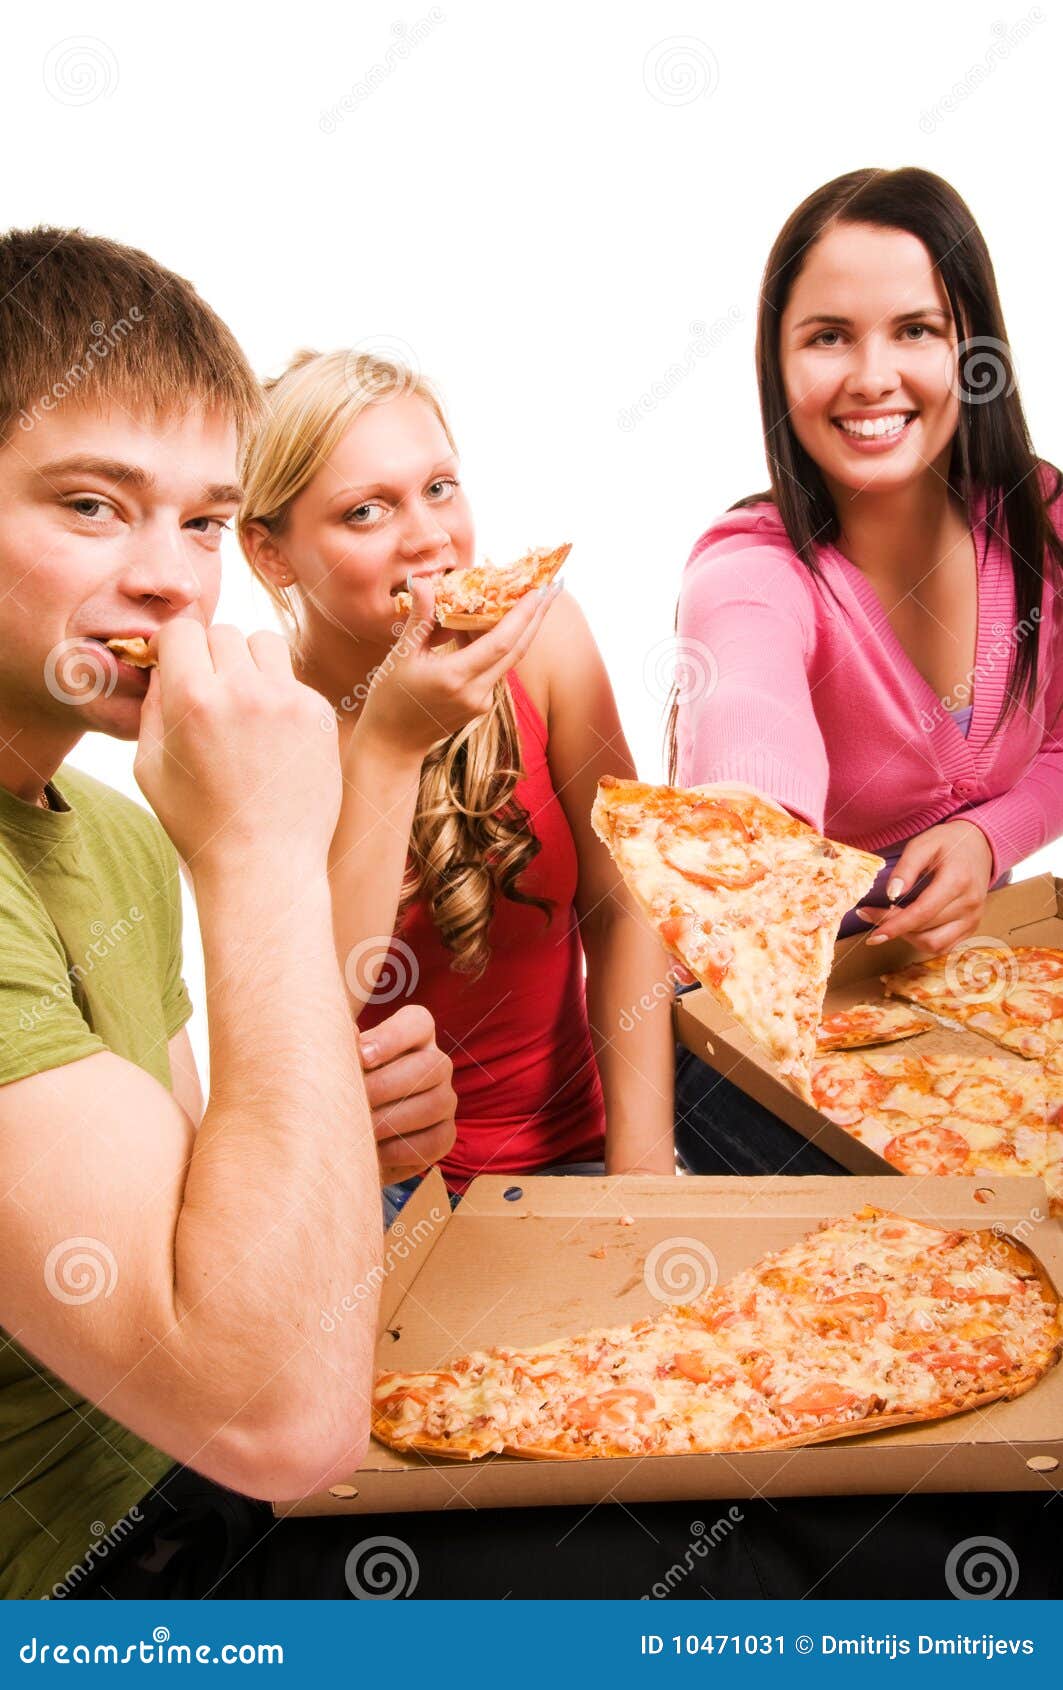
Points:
[[1030, 912], [526, 1260]]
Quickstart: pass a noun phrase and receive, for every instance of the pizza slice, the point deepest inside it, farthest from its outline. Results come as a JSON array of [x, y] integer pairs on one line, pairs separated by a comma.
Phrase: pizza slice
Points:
[[477, 598], [1013, 996], [746, 896], [870, 1024], [134, 651], [873, 1321]]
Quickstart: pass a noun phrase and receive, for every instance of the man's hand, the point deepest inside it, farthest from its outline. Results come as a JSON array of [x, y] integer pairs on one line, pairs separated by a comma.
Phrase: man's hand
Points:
[[407, 1081], [236, 756], [957, 858]]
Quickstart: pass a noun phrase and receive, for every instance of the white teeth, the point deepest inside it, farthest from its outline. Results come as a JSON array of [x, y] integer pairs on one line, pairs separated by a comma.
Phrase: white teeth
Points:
[[873, 428]]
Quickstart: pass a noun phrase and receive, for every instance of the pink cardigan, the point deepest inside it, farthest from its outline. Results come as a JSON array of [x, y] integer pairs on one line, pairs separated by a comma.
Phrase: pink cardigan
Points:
[[821, 708]]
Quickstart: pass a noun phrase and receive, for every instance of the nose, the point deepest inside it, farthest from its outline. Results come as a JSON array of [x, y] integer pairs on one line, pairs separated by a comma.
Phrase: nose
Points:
[[423, 534], [873, 368], [162, 568]]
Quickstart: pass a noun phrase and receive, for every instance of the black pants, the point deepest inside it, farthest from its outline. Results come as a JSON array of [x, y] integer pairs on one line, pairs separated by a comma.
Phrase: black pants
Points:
[[719, 1130], [198, 1540]]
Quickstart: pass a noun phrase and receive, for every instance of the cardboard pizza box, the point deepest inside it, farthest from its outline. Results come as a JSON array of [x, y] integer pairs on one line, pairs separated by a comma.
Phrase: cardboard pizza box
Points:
[[524, 1260], [1029, 912]]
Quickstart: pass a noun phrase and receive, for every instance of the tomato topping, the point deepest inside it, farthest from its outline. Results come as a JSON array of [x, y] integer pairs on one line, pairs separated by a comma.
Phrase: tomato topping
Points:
[[928, 1150], [853, 1307], [716, 879], [1034, 1005], [944, 1288], [694, 1366], [613, 1411], [671, 930], [986, 1359], [826, 1397]]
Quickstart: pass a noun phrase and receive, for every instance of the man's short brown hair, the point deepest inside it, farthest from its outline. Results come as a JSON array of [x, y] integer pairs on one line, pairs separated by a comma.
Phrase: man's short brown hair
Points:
[[87, 320]]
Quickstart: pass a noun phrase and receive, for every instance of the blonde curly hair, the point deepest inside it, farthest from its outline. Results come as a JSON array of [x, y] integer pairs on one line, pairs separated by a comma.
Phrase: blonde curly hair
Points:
[[471, 839]]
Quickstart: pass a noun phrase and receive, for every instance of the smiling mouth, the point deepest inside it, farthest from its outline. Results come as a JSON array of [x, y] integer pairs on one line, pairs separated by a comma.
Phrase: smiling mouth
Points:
[[889, 426]]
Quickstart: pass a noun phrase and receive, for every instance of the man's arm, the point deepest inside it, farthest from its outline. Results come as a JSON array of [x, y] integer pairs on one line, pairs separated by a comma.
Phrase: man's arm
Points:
[[216, 1251], [185, 1075]]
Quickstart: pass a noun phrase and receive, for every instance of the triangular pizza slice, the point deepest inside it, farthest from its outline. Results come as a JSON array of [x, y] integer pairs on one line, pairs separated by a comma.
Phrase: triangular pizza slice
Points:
[[746, 896], [476, 598]]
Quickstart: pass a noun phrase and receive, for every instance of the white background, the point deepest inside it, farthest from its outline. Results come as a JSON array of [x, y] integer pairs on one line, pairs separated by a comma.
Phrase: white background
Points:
[[560, 210]]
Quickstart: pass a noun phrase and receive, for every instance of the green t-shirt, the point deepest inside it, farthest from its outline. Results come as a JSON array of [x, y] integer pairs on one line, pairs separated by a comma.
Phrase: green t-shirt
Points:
[[90, 959]]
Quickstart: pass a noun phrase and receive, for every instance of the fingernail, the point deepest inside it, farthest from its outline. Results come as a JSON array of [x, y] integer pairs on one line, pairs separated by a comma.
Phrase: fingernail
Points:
[[409, 582], [894, 889], [370, 1052], [878, 938]]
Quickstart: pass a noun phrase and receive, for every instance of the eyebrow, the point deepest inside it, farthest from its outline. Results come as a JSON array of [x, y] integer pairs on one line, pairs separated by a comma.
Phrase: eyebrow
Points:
[[131, 475], [361, 494], [847, 322]]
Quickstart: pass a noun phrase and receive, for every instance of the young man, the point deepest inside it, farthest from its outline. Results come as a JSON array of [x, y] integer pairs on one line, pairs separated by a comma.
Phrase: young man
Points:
[[164, 1273]]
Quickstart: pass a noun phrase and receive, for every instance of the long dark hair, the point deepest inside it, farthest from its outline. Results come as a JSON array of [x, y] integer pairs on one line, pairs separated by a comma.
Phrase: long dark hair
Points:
[[992, 453]]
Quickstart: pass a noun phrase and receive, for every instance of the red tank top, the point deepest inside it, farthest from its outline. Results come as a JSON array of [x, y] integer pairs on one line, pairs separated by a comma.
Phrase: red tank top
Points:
[[525, 1075]]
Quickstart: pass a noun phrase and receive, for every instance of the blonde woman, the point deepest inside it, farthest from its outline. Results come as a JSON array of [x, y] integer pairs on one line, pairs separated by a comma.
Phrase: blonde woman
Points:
[[470, 769]]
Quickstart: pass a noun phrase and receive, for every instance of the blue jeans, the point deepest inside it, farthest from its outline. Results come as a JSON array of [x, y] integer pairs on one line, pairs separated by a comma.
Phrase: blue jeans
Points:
[[719, 1130]]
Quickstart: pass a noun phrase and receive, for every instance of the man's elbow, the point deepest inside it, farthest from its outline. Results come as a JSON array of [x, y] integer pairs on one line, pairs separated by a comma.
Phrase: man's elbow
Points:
[[286, 1462]]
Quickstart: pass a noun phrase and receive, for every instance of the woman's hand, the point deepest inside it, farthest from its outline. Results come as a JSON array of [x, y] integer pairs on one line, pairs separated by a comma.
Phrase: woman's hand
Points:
[[407, 1082], [433, 683], [957, 857]]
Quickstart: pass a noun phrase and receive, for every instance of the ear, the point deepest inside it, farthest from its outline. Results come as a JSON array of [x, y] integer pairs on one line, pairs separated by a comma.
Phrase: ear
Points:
[[266, 556]]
